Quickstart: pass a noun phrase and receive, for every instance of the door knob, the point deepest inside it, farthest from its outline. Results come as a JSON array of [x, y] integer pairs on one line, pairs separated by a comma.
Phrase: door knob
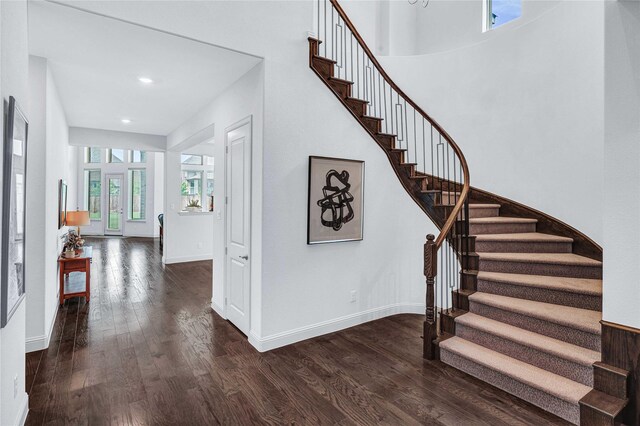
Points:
[[245, 257]]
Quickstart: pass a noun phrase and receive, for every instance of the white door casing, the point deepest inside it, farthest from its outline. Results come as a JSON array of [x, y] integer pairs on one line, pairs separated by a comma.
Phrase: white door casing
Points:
[[238, 224]]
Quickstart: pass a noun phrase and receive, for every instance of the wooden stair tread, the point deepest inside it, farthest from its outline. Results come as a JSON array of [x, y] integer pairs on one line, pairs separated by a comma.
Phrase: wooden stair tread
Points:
[[543, 380], [524, 236], [340, 80], [606, 404], [501, 219], [474, 205], [322, 58], [369, 117], [588, 286], [548, 258], [539, 342], [580, 319], [349, 98]]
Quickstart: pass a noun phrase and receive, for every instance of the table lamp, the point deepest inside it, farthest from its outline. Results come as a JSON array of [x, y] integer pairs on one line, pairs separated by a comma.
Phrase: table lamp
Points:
[[78, 218]]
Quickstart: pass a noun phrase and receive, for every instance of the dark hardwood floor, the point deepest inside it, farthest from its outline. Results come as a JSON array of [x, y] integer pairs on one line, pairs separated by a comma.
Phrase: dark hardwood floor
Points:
[[148, 349]]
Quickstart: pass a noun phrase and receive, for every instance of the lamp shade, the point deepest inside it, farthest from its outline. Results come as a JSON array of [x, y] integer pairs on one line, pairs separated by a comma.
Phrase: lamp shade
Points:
[[78, 218]]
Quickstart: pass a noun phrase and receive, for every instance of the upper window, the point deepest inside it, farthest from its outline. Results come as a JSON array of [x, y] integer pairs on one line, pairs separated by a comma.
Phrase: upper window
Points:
[[498, 12], [193, 160], [137, 156], [93, 155], [115, 155]]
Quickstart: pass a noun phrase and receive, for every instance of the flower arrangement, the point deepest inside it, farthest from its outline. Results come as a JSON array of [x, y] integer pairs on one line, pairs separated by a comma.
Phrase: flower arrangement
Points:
[[73, 241]]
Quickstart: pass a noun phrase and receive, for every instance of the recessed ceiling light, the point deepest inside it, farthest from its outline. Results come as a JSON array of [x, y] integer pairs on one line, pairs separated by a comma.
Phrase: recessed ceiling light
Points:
[[145, 80], [125, 121]]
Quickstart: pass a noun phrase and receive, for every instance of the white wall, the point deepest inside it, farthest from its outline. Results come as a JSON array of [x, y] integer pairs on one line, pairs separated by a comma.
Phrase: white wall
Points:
[[50, 158], [155, 170], [622, 163], [525, 106], [14, 68]]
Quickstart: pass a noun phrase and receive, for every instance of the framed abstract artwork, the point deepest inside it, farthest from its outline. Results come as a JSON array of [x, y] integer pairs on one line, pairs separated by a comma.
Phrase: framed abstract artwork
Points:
[[62, 204], [14, 174], [336, 200]]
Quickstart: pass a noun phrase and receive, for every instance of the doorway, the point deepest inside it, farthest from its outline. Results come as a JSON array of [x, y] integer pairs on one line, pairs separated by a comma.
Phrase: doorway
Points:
[[238, 224], [113, 224]]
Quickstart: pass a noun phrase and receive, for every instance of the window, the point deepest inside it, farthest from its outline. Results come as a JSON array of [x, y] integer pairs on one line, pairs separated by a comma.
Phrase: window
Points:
[[92, 155], [93, 192], [498, 12], [193, 160], [191, 188], [138, 156], [137, 194], [115, 155], [210, 190]]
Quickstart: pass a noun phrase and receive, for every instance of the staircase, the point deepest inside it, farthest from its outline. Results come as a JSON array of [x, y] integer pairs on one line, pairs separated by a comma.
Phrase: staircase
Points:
[[513, 295]]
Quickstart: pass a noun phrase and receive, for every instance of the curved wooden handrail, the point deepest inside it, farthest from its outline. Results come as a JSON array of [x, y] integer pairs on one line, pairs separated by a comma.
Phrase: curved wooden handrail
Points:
[[464, 193]]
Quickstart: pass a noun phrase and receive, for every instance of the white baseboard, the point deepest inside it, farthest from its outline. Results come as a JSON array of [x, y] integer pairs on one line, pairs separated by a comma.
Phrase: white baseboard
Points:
[[278, 340], [21, 418], [36, 343], [39, 343], [182, 259], [218, 309]]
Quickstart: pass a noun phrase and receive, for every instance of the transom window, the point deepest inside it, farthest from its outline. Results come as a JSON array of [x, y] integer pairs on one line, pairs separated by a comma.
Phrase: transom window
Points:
[[137, 156], [499, 12], [193, 160], [115, 155], [93, 155]]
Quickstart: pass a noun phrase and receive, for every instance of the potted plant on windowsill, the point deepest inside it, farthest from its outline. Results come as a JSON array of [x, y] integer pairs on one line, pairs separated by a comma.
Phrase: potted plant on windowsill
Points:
[[194, 206]]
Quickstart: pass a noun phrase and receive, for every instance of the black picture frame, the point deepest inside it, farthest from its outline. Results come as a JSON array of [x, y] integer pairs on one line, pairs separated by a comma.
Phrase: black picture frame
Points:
[[62, 203], [325, 224], [14, 173]]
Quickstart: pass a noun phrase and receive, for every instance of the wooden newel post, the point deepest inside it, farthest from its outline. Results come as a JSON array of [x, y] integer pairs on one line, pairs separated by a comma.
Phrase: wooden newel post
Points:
[[430, 272]]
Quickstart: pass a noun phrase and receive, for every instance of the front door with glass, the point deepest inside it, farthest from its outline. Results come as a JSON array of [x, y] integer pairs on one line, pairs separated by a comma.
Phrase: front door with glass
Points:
[[113, 223]]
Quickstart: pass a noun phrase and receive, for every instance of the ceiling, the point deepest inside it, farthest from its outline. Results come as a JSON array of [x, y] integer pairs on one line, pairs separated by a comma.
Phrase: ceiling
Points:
[[96, 63]]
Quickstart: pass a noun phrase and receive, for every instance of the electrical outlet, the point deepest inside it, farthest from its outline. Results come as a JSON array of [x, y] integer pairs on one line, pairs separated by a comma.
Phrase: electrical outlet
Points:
[[354, 296], [200, 245], [15, 387], [173, 206], [219, 214]]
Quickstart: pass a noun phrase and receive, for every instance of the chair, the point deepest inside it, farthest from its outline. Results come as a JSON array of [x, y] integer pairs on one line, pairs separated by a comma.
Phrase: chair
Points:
[[161, 219]]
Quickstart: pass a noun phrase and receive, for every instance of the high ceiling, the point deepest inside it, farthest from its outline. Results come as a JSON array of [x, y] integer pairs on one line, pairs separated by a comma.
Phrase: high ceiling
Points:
[[96, 63]]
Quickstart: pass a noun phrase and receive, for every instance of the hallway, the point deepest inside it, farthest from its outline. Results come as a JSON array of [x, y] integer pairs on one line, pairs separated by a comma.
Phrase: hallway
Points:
[[148, 349]]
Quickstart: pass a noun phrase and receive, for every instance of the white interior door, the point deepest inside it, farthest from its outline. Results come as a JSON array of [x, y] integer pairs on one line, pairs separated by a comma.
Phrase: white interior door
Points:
[[238, 224], [114, 216]]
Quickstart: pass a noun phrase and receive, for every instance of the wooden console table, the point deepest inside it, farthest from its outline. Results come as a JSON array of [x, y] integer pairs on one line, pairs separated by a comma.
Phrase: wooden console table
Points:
[[80, 263]]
